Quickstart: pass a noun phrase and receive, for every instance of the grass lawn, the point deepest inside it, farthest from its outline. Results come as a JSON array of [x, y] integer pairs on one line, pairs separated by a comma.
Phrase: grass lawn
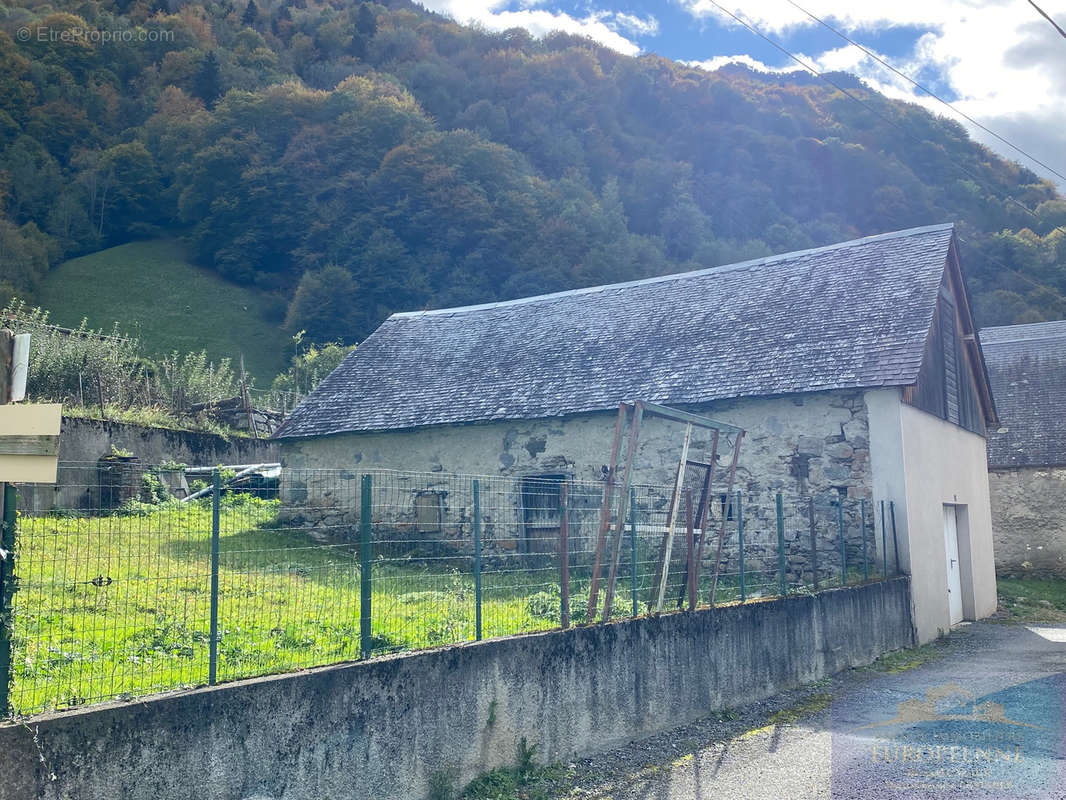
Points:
[[155, 293], [1033, 599], [119, 606]]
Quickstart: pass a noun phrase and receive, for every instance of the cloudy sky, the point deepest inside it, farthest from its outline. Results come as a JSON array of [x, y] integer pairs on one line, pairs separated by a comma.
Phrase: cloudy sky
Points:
[[997, 61]]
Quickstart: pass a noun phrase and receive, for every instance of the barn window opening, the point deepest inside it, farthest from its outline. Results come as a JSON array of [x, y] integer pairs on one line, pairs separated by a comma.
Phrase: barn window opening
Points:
[[541, 497], [429, 512]]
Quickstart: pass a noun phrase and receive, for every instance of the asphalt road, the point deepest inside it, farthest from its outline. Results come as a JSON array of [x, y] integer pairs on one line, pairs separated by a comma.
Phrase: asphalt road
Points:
[[986, 718]]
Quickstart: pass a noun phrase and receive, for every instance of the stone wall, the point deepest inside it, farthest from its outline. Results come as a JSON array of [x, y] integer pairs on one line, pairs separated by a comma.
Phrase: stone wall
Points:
[[811, 446], [82, 442], [383, 728], [1029, 520]]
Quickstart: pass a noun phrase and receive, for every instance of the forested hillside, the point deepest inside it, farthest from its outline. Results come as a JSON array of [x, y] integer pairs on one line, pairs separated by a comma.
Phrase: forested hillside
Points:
[[356, 159]]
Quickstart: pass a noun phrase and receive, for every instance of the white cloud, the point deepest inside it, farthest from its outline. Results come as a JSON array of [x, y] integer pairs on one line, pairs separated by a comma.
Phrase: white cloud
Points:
[[999, 57], [601, 26], [638, 26], [711, 64]]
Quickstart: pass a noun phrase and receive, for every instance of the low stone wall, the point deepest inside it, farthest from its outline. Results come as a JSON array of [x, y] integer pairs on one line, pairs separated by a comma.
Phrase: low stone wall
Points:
[[1029, 520], [383, 728], [82, 442]]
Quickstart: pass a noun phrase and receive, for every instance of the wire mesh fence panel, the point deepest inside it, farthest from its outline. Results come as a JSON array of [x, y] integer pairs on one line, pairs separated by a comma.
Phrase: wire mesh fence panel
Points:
[[288, 585], [112, 599], [126, 570], [422, 556]]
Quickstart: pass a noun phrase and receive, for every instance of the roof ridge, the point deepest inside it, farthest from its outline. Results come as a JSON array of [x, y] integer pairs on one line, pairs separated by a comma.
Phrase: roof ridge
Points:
[[1058, 325], [756, 262]]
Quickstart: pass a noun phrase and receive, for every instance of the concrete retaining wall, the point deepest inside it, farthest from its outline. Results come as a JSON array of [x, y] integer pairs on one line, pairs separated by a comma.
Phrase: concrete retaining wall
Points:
[[83, 441], [381, 729], [1029, 520]]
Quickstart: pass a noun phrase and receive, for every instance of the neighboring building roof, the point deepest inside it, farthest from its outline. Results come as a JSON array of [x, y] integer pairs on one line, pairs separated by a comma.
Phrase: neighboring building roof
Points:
[[1027, 369], [850, 315]]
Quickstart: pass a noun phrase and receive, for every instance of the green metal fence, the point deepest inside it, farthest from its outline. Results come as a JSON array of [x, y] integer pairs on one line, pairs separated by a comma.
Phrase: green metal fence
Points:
[[125, 588]]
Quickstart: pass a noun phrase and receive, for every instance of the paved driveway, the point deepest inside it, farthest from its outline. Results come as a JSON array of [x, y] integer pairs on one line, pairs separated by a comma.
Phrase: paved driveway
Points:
[[986, 719]]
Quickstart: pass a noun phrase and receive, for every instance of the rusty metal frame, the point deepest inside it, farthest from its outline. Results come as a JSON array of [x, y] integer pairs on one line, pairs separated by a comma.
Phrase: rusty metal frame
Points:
[[635, 413]]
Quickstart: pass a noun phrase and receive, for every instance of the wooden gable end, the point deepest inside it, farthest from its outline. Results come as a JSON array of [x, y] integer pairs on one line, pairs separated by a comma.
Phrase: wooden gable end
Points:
[[953, 381]]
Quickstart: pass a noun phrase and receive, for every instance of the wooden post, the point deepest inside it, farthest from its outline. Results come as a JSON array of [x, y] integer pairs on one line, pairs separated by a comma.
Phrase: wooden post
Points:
[[7, 344], [605, 512], [725, 514], [623, 497], [246, 401], [99, 395], [664, 571], [703, 516]]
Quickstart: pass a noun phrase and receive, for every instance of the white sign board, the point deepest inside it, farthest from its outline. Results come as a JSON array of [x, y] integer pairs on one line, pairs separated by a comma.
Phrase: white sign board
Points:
[[29, 442]]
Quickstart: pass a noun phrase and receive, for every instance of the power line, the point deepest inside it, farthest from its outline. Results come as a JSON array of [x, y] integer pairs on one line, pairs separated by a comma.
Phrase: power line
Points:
[[1054, 24], [842, 90], [891, 122], [928, 91]]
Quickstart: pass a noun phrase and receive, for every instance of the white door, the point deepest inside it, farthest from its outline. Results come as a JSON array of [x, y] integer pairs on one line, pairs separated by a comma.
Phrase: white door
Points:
[[951, 548]]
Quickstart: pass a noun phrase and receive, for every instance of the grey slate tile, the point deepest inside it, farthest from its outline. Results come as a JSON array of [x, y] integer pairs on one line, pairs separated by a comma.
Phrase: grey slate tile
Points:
[[1027, 370], [850, 315]]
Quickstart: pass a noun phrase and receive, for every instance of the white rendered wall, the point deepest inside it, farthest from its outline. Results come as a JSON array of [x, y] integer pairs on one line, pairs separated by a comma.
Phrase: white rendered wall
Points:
[[923, 463]]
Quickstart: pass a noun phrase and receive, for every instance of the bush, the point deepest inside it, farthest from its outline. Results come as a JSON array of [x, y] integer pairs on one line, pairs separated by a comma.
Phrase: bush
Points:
[[82, 367]]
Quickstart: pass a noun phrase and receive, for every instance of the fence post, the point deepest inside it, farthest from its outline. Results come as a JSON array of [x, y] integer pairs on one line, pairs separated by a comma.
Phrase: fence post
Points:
[[564, 556], [884, 543], [862, 522], [365, 609], [843, 543], [477, 558], [690, 540], [781, 544], [740, 544], [633, 548], [814, 542], [216, 500], [895, 541], [7, 592]]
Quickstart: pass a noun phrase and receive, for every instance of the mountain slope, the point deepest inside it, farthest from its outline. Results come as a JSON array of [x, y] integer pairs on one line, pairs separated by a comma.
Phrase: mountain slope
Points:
[[355, 159], [167, 302]]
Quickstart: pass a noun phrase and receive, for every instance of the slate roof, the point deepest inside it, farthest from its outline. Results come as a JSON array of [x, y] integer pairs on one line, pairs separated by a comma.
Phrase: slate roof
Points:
[[1027, 370], [849, 315]]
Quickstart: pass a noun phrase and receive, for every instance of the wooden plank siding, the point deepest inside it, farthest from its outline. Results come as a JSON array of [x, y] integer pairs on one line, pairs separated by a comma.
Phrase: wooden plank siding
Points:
[[947, 384]]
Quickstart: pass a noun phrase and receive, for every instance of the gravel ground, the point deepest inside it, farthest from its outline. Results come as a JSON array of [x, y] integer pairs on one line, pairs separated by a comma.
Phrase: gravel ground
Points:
[[985, 717]]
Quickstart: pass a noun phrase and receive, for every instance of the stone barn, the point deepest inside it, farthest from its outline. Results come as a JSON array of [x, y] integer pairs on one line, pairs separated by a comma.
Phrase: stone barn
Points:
[[1027, 454], [854, 370]]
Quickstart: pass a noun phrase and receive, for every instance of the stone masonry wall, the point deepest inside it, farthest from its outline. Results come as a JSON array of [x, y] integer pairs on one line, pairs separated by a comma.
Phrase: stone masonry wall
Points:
[[1029, 520], [82, 442], [805, 446]]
